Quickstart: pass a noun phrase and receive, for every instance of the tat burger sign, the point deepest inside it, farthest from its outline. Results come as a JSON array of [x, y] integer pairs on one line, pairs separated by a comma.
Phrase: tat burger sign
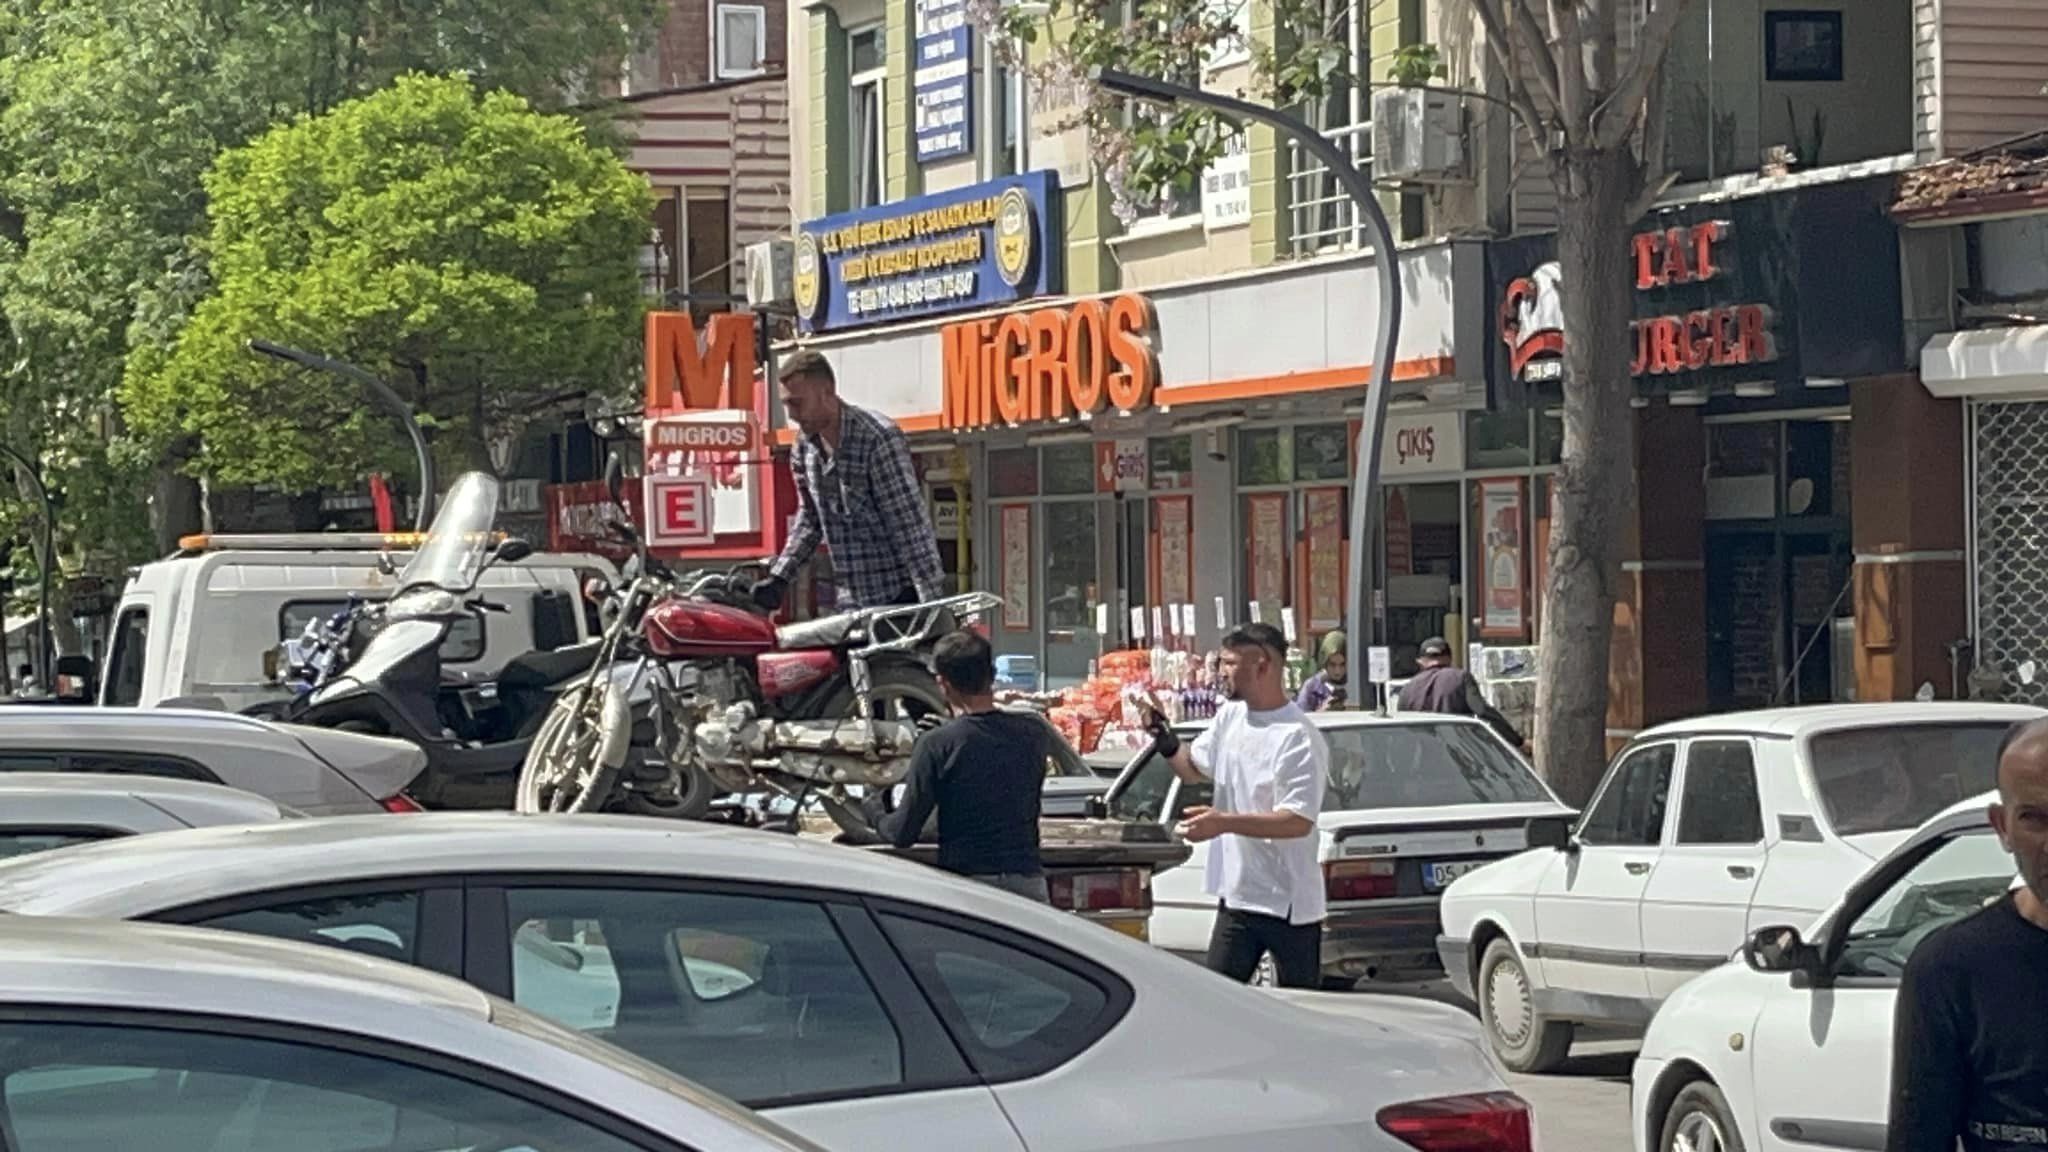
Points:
[[1716, 334]]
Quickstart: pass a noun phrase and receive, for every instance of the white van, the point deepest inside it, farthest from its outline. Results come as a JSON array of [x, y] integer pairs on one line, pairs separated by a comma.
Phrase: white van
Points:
[[204, 623]]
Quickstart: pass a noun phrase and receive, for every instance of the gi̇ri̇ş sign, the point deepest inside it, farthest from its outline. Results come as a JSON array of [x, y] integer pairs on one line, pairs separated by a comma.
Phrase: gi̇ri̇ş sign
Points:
[[974, 247], [941, 88]]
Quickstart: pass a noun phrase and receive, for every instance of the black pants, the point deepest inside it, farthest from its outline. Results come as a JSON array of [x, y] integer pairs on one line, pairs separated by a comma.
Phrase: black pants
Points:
[[1240, 938]]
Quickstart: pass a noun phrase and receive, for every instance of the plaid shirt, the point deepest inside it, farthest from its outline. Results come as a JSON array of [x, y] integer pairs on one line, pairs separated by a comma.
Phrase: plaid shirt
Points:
[[864, 504]]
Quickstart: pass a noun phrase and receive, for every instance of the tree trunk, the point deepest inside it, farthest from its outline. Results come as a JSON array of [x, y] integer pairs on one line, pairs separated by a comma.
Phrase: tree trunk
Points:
[[1594, 490]]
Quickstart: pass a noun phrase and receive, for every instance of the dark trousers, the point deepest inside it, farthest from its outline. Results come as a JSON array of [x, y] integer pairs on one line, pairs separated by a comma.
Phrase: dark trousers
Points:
[[1240, 938]]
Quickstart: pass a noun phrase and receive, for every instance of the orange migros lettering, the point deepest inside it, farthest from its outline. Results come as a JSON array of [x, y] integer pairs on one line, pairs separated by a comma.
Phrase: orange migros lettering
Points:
[[686, 372], [1049, 363]]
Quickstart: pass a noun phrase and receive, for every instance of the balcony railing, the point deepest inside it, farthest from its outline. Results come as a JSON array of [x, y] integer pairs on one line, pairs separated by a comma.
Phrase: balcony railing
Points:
[[1323, 215]]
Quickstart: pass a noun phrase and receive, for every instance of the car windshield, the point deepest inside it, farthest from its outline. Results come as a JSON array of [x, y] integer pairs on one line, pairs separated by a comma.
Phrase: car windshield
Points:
[[453, 553], [1426, 764], [1961, 876], [1894, 777]]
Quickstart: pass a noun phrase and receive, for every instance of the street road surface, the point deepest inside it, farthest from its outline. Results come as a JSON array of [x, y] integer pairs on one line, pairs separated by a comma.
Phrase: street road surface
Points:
[[1584, 1106]]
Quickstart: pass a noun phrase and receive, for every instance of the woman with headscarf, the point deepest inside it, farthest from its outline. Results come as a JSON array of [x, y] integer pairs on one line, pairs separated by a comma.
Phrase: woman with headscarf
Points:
[[1325, 689]]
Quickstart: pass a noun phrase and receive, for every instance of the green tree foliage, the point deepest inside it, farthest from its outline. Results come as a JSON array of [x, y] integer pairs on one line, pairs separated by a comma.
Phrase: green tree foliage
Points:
[[479, 254], [112, 111]]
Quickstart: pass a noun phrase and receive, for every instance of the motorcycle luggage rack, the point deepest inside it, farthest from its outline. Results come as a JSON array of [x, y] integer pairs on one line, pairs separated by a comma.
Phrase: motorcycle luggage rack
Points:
[[895, 629]]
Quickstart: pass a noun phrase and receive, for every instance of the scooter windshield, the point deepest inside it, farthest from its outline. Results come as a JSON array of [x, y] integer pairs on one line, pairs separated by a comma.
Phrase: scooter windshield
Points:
[[452, 556]]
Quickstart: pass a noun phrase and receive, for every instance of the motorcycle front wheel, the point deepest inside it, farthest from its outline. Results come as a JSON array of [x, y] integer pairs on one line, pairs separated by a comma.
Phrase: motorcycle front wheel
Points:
[[576, 756]]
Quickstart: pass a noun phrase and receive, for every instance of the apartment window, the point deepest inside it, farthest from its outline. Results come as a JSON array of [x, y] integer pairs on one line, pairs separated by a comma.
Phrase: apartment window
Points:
[[867, 69], [1002, 135], [739, 39]]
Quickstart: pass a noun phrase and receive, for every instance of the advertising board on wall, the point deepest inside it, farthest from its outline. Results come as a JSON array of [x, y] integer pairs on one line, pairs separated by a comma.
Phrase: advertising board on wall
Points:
[[976, 247], [941, 80]]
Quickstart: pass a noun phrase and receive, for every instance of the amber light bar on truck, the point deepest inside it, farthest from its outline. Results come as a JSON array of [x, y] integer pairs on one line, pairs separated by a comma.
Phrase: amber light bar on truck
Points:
[[310, 541]]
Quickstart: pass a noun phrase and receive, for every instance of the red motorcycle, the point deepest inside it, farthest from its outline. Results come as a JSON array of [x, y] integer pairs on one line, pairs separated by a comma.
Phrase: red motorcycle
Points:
[[738, 704]]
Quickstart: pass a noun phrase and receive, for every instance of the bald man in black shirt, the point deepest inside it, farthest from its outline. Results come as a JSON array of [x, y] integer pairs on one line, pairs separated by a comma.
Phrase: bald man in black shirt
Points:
[[1970, 1034]]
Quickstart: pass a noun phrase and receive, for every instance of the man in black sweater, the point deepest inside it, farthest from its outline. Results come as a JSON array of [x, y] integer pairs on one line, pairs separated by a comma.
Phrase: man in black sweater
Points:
[[1970, 1033], [983, 770]]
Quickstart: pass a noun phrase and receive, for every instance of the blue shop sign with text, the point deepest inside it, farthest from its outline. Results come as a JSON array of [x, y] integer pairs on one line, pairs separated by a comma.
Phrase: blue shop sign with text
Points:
[[975, 247], [941, 86]]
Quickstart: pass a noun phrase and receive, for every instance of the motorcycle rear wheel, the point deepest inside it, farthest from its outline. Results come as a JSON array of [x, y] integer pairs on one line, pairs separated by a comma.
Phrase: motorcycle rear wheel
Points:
[[575, 758]]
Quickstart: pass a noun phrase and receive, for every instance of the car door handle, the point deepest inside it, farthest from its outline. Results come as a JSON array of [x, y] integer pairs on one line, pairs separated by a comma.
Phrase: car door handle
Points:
[[1741, 871], [1636, 867]]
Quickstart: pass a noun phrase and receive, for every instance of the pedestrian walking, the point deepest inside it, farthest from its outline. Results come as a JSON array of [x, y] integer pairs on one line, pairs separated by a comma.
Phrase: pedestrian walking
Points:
[[857, 493], [983, 772], [1970, 1029], [1270, 767], [1325, 689], [1442, 686]]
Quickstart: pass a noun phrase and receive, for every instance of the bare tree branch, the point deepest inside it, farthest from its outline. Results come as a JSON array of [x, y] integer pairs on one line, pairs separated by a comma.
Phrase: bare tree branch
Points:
[[1615, 117], [1490, 18], [1569, 56], [1600, 64], [1526, 32], [1655, 176]]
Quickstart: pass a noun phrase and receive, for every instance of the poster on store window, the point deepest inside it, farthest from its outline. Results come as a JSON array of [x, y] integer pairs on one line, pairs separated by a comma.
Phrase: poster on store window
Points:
[[1324, 510], [1400, 537], [1176, 549], [1501, 547], [1016, 538], [1268, 532]]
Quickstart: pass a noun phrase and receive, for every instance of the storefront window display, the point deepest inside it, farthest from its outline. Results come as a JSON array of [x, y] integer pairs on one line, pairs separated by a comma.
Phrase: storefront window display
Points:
[[1047, 563], [1294, 502]]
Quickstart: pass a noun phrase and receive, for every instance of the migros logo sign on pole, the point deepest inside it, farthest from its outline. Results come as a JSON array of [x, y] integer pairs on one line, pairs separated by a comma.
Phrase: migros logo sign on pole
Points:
[[1049, 363]]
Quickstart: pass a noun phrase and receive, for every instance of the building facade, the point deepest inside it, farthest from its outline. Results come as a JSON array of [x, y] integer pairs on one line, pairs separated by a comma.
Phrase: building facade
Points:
[[958, 260]]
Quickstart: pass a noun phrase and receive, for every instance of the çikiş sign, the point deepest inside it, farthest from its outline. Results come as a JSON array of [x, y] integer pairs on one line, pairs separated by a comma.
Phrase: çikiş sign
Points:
[[1716, 336], [974, 247]]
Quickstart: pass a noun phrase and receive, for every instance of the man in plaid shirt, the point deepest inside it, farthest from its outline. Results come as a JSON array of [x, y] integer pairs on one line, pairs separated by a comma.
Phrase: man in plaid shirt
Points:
[[858, 494]]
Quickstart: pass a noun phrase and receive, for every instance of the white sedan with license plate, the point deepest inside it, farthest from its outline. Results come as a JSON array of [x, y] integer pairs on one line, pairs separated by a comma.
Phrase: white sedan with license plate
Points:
[[1789, 1049], [851, 996], [1702, 831], [1414, 802], [173, 1039]]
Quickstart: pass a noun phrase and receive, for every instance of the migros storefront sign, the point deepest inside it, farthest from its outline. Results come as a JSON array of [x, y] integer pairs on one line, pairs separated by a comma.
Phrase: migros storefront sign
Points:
[[1050, 363]]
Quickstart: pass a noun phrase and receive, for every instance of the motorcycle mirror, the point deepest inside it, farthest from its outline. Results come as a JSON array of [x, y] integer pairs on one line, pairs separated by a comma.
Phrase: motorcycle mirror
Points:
[[514, 550]]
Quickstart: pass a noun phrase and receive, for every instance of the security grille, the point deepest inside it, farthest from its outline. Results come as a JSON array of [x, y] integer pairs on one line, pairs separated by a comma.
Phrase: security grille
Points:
[[2010, 545]]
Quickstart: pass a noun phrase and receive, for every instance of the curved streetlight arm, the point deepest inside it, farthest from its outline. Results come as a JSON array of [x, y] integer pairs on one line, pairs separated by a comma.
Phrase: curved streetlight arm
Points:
[[385, 396], [44, 564], [1366, 478]]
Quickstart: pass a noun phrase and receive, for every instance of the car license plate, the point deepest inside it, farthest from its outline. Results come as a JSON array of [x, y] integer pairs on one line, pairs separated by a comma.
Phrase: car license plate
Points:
[[1437, 877]]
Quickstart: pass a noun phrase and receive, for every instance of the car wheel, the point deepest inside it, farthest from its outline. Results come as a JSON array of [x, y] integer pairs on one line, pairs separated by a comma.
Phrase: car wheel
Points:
[[1525, 1039], [1267, 974], [1699, 1120]]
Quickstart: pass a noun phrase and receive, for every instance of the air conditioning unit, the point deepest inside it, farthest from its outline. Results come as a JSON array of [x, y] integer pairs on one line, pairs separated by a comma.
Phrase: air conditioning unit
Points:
[[770, 274], [1418, 137]]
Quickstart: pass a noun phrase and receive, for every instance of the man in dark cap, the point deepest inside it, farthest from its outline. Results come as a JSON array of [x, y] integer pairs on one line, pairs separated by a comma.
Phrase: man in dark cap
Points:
[[1442, 686]]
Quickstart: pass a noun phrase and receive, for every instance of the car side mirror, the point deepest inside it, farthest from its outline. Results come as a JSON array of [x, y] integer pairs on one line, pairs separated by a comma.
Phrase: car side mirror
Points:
[[514, 550], [1553, 832], [1779, 949], [1096, 808]]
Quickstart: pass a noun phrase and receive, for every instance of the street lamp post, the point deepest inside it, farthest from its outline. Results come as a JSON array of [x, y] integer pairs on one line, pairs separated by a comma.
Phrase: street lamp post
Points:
[[47, 561], [1365, 489], [385, 396]]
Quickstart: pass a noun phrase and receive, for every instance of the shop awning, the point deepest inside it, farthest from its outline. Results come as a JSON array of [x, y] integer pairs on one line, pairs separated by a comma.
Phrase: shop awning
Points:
[[1990, 362]]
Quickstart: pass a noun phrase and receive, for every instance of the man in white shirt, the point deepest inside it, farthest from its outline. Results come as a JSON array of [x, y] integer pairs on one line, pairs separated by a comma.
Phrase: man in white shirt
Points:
[[1270, 766]]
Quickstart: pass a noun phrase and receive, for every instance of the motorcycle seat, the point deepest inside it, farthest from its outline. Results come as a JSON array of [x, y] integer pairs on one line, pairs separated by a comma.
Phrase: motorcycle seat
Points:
[[541, 669], [840, 631]]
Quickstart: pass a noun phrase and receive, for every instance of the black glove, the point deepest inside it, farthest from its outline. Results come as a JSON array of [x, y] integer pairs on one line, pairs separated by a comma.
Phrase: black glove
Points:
[[1162, 733], [767, 592]]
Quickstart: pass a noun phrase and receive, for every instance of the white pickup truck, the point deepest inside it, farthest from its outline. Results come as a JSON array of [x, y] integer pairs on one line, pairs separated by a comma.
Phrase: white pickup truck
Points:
[[204, 623]]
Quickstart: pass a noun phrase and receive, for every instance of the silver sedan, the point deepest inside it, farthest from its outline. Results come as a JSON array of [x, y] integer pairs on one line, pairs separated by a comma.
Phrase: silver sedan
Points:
[[42, 810], [121, 1035]]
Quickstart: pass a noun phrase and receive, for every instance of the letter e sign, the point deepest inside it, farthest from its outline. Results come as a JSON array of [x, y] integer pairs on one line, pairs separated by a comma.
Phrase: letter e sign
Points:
[[679, 511]]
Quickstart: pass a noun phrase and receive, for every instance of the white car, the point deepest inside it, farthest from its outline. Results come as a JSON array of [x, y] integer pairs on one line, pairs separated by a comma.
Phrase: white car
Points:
[[44, 810], [1702, 831], [1789, 1049], [852, 997], [187, 1040], [1413, 802]]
